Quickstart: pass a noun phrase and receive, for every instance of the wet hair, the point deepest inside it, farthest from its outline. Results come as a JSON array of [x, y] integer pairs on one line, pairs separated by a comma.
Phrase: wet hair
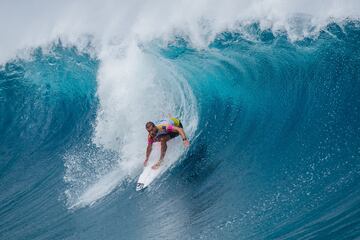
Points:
[[148, 124]]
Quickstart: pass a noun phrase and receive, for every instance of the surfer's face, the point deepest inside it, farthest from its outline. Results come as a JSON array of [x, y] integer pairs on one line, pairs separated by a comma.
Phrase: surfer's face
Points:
[[152, 130]]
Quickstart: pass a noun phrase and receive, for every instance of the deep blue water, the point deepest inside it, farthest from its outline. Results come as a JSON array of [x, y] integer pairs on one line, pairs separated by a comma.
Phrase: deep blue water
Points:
[[277, 152]]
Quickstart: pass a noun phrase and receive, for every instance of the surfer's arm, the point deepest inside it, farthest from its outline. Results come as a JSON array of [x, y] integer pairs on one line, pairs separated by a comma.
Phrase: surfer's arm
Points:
[[148, 151], [179, 131], [182, 134], [163, 148]]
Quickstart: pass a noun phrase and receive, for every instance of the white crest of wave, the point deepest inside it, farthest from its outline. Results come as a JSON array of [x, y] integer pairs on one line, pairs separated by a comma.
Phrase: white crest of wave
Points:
[[25, 24]]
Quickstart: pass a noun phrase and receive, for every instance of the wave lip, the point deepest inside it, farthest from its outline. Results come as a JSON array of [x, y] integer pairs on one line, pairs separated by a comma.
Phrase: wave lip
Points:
[[113, 22]]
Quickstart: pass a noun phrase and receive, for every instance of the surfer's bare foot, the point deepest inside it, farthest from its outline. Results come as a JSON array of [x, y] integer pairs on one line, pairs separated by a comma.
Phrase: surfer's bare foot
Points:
[[145, 163], [156, 165]]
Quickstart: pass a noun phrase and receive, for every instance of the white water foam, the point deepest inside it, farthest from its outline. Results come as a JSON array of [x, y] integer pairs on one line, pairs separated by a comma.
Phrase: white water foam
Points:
[[27, 24]]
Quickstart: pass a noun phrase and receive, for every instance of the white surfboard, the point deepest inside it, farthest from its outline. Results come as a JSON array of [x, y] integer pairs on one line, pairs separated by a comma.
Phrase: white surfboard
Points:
[[147, 176]]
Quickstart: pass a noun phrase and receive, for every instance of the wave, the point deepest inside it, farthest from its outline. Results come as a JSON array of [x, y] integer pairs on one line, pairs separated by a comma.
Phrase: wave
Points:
[[273, 120]]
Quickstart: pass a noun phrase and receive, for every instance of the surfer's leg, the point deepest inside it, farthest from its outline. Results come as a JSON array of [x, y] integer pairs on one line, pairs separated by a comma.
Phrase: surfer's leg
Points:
[[173, 135], [163, 141]]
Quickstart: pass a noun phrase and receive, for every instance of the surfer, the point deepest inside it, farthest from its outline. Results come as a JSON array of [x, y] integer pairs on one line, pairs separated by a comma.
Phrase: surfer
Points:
[[163, 131]]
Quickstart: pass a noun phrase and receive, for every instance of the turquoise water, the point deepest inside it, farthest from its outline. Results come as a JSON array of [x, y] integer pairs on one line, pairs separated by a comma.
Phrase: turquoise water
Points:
[[275, 153]]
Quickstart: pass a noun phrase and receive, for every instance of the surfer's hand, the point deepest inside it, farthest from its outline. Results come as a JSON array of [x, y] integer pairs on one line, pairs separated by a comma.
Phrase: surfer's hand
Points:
[[186, 143], [145, 162]]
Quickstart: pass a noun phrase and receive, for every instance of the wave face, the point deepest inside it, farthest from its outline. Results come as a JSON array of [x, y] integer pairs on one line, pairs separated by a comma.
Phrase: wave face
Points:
[[274, 127]]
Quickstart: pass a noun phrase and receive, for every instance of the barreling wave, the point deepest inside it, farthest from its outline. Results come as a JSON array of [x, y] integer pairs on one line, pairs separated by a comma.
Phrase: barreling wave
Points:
[[272, 118]]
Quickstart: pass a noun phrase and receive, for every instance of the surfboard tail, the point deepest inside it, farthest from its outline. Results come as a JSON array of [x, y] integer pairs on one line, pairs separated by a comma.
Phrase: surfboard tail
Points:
[[140, 186]]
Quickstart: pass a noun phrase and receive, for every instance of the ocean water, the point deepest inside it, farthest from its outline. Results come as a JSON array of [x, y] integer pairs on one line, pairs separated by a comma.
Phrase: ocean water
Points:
[[272, 112]]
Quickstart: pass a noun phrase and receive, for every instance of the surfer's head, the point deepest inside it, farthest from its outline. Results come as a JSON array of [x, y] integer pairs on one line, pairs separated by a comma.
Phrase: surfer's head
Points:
[[151, 128]]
